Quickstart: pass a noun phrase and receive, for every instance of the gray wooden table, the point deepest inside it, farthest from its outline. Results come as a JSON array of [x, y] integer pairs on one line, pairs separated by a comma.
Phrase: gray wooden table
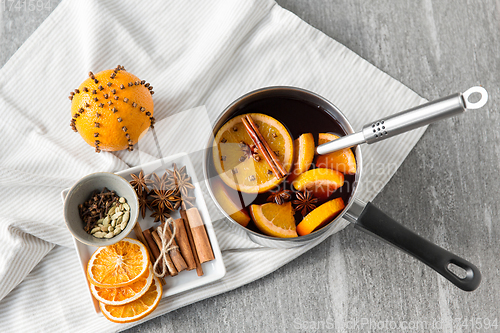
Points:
[[447, 190]]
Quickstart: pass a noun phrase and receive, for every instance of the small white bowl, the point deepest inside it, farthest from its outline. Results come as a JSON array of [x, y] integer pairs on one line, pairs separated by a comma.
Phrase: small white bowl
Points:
[[81, 192]]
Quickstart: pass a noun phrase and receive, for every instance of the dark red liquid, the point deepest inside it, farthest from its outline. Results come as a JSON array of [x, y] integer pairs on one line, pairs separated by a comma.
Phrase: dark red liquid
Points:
[[299, 117]]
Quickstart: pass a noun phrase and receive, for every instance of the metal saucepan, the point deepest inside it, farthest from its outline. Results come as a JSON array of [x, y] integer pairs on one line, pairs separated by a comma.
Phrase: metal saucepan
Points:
[[364, 216]]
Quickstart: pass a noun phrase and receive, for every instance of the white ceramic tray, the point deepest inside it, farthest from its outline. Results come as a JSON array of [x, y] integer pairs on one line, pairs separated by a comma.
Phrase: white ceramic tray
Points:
[[185, 280]]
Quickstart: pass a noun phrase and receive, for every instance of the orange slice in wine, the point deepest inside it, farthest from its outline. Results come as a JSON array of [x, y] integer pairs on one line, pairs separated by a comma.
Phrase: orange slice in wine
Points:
[[235, 210], [321, 182], [320, 216], [341, 160], [274, 220], [304, 154], [240, 165]]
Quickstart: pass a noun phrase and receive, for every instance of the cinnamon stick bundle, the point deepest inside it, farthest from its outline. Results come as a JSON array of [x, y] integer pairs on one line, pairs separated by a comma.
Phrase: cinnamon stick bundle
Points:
[[170, 265], [183, 241], [259, 140], [200, 237], [199, 269], [154, 251], [178, 260]]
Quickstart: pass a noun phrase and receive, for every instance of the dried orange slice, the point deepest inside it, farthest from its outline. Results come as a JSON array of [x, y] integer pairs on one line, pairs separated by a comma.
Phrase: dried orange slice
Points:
[[236, 162], [341, 160], [231, 207], [321, 182], [304, 154], [137, 309], [118, 265], [123, 295], [274, 220], [320, 216]]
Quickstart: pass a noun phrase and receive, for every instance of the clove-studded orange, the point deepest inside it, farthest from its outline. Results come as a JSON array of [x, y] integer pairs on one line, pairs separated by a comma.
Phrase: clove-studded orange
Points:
[[112, 110]]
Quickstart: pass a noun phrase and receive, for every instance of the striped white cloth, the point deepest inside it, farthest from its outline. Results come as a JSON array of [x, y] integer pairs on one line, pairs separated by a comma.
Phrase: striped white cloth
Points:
[[195, 53]]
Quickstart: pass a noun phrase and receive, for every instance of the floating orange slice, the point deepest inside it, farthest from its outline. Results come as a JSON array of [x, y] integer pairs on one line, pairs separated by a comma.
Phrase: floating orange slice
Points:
[[320, 216], [234, 209], [233, 158], [321, 182], [137, 309], [118, 265], [123, 295], [341, 160], [304, 154], [274, 220]]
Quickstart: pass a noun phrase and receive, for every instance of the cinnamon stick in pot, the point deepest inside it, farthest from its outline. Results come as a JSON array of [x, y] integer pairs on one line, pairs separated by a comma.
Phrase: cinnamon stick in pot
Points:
[[199, 269], [200, 237], [183, 242], [259, 140]]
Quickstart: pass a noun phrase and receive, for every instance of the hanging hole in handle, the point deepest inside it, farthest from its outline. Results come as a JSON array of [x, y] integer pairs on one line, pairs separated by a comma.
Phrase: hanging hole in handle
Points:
[[475, 98], [456, 270]]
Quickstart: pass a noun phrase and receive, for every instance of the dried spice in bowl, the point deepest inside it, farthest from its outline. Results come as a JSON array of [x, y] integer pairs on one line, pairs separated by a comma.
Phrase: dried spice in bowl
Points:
[[105, 214]]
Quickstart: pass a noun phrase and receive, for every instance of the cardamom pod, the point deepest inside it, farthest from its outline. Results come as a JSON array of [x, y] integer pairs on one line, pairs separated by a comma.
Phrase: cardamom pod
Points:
[[126, 206], [111, 211], [109, 235], [116, 215], [122, 200], [126, 216], [99, 234]]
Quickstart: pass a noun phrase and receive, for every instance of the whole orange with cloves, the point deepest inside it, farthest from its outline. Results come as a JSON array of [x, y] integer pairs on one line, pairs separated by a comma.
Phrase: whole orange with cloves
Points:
[[112, 110]]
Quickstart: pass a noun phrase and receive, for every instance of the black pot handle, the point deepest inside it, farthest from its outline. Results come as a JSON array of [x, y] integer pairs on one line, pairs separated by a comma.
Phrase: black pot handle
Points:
[[374, 221]]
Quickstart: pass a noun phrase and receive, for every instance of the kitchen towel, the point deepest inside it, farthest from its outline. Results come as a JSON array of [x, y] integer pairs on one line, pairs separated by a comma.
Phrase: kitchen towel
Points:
[[198, 55]]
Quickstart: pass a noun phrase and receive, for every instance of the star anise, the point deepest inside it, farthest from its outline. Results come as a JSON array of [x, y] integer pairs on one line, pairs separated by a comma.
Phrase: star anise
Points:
[[181, 179], [160, 215], [280, 197], [305, 202], [143, 204], [187, 202], [249, 151], [158, 183], [164, 199], [139, 182]]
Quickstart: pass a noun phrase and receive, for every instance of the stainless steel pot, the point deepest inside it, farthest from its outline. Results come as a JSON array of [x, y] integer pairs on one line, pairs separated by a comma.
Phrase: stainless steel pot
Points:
[[364, 216]]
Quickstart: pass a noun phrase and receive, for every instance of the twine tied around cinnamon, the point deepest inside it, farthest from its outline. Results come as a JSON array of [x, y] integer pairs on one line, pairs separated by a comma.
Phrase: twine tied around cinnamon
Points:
[[166, 247]]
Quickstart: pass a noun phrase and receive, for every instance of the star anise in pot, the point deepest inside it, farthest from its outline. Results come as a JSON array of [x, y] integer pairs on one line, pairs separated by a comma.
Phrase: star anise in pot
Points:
[[139, 182], [305, 202], [250, 151], [280, 197]]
